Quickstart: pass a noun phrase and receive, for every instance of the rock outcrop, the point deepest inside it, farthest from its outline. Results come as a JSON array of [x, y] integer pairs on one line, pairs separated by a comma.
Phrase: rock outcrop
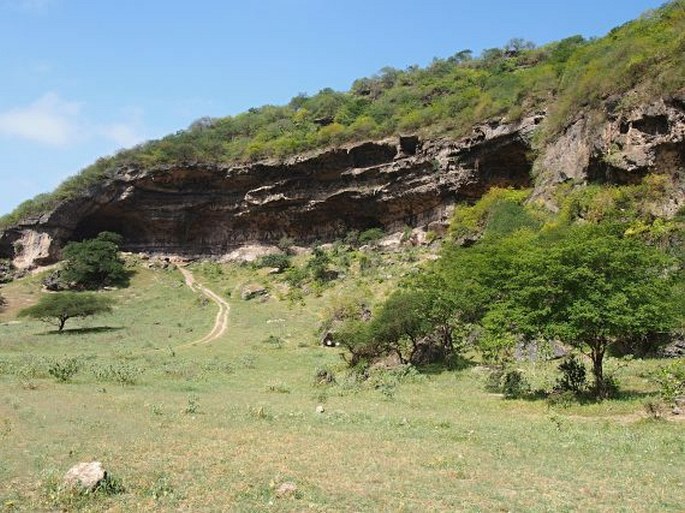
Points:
[[209, 209], [621, 150], [202, 209]]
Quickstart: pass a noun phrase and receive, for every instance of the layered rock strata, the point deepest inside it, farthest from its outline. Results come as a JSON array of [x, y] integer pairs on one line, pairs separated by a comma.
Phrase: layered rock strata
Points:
[[210, 209], [204, 209]]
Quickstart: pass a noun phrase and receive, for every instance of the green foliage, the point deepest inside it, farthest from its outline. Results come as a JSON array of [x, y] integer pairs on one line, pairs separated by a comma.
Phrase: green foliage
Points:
[[59, 307], [318, 266], [65, 369], [93, 263], [123, 373], [573, 376], [501, 210], [671, 380], [588, 289], [193, 405], [645, 55], [275, 260], [514, 384], [371, 236], [3, 303]]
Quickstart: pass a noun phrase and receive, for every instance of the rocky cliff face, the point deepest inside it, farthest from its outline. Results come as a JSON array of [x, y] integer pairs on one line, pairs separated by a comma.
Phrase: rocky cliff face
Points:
[[208, 209], [621, 150]]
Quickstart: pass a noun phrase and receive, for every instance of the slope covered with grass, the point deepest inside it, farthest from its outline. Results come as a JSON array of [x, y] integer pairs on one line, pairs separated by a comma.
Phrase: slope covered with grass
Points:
[[221, 426]]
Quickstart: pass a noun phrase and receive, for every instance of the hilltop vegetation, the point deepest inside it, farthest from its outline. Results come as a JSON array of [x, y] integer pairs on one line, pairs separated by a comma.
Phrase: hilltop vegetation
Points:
[[639, 61]]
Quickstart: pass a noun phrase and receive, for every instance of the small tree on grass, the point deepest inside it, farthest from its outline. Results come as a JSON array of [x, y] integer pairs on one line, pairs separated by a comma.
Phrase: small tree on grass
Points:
[[58, 308], [3, 303]]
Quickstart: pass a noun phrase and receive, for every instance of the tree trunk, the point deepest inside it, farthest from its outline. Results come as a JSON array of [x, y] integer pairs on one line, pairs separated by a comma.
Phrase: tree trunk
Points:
[[598, 348], [62, 321]]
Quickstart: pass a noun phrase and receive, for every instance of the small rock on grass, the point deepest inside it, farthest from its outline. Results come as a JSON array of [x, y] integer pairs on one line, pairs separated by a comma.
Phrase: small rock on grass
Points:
[[320, 409], [286, 490], [87, 475]]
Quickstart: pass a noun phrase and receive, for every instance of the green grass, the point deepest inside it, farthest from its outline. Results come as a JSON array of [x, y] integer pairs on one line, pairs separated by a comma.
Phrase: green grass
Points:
[[219, 427]]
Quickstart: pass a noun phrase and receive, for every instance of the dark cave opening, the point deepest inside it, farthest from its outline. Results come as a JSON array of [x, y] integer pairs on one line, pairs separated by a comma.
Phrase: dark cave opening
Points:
[[599, 171]]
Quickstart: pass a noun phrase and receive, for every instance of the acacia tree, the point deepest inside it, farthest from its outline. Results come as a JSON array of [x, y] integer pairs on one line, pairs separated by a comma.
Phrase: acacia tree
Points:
[[588, 288], [59, 307]]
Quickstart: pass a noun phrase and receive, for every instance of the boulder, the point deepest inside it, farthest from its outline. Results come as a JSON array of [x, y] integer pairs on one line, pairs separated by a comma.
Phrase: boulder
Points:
[[252, 290], [87, 475]]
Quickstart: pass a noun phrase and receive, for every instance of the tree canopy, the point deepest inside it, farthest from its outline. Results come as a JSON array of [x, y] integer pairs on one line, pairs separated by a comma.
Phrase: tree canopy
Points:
[[58, 308], [589, 288], [601, 272], [93, 263]]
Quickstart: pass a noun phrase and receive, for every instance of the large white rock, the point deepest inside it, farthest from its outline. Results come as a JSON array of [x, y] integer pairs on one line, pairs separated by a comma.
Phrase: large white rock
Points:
[[85, 475]]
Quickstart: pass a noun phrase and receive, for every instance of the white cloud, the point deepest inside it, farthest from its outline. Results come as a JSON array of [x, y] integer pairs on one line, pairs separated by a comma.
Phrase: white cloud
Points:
[[54, 121], [49, 120]]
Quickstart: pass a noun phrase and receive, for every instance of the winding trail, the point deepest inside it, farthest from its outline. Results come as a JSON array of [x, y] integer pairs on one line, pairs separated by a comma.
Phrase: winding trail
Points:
[[221, 320]]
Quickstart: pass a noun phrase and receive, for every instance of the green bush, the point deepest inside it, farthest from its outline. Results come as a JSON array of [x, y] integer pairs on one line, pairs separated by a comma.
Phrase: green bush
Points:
[[370, 236], [514, 384], [670, 379], [121, 373], [275, 260], [65, 369], [573, 376]]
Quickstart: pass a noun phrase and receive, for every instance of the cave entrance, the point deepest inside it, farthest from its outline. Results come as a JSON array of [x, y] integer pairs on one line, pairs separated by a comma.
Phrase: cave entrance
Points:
[[504, 162]]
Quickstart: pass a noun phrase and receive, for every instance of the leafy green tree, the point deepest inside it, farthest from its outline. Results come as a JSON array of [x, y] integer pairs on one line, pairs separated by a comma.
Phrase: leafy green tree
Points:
[[588, 286], [3, 303], [401, 324], [59, 307], [94, 263]]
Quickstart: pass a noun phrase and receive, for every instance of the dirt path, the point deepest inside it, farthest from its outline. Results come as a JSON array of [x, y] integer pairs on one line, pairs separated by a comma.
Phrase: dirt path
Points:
[[221, 320]]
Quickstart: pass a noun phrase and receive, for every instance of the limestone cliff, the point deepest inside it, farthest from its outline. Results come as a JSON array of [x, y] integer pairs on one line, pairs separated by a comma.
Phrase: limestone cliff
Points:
[[206, 209], [194, 208]]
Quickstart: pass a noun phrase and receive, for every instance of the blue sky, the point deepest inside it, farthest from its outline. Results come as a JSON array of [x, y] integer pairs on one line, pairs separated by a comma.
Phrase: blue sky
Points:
[[83, 78]]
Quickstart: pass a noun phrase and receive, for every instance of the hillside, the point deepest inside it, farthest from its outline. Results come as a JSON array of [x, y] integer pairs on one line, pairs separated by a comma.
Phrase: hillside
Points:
[[458, 288], [609, 110]]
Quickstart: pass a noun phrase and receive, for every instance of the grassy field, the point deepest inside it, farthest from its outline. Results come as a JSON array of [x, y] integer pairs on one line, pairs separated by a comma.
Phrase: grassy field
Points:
[[220, 426]]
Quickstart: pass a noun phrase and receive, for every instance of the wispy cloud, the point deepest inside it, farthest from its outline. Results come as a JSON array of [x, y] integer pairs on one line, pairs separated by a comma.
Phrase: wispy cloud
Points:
[[54, 121], [49, 120]]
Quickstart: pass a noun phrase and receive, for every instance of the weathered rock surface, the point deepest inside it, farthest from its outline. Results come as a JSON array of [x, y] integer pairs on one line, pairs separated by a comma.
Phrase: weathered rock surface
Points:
[[211, 209], [85, 475], [205, 209], [286, 490], [252, 290], [621, 150]]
